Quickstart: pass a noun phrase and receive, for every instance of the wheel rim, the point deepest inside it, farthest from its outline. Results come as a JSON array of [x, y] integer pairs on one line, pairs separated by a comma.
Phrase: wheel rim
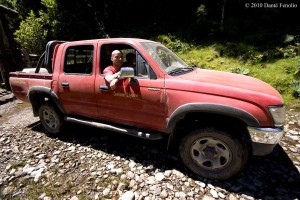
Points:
[[50, 119], [211, 153]]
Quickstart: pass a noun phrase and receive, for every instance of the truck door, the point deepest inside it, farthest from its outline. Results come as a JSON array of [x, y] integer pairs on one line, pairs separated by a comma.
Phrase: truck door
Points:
[[77, 80], [138, 101]]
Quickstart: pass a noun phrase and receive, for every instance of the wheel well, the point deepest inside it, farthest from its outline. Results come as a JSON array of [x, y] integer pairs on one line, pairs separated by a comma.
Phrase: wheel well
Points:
[[37, 99], [198, 120]]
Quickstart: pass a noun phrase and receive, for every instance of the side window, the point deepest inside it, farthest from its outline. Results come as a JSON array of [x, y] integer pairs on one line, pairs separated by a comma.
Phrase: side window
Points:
[[127, 51], [143, 69], [105, 56], [79, 60]]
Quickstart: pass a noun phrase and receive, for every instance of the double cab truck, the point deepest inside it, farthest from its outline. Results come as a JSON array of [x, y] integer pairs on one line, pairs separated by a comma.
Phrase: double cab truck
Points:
[[216, 120]]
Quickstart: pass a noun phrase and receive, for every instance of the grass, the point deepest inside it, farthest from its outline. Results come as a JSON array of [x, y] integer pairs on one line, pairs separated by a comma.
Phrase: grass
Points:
[[278, 72], [16, 165]]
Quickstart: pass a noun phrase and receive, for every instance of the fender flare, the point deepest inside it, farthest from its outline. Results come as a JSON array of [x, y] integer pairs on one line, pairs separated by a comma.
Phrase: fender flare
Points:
[[181, 112], [36, 91]]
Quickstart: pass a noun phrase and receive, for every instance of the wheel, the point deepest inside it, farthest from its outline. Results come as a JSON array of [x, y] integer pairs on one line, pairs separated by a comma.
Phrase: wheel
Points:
[[51, 118], [213, 154]]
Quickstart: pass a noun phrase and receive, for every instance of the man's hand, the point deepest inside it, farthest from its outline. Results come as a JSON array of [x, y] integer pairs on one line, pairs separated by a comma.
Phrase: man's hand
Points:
[[113, 84]]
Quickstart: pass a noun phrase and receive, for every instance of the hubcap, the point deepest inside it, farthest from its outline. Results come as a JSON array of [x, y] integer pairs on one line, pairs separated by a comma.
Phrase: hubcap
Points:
[[211, 153], [50, 119]]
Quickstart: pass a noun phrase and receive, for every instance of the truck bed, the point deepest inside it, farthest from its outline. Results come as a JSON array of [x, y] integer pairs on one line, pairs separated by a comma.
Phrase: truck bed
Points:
[[20, 82]]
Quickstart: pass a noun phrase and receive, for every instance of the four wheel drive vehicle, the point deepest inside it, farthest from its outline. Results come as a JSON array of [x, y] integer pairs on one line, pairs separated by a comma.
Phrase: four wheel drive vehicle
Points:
[[216, 119]]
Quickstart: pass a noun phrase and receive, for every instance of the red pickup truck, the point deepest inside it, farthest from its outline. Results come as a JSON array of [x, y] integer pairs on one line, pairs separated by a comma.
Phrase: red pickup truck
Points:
[[215, 119]]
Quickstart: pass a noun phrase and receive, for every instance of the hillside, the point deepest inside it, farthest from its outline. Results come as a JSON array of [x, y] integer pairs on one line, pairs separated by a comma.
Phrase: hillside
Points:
[[278, 66]]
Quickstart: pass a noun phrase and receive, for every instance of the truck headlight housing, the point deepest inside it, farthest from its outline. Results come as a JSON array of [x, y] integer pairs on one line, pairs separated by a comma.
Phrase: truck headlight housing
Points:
[[278, 114]]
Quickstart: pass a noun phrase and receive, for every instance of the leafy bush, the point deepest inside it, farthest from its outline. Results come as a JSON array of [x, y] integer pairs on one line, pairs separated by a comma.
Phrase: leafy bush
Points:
[[240, 70], [174, 43], [164, 39], [31, 34], [295, 86], [34, 30], [291, 39], [288, 39], [290, 51], [297, 73], [201, 15]]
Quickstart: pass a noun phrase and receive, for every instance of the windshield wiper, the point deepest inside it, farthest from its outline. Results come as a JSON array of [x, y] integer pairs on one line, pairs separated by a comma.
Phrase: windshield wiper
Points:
[[181, 70]]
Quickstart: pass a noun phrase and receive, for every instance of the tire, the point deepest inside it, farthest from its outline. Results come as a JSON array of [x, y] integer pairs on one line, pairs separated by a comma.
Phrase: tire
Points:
[[51, 118], [213, 154]]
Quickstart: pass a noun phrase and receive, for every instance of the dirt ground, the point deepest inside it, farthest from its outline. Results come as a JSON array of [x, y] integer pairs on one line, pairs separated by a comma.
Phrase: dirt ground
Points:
[[88, 163]]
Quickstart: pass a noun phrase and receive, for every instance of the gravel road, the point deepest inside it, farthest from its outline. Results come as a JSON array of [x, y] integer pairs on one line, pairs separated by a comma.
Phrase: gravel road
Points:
[[88, 163]]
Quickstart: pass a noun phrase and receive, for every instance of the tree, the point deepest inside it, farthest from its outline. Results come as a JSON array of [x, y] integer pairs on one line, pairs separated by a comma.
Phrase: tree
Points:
[[35, 29], [31, 34]]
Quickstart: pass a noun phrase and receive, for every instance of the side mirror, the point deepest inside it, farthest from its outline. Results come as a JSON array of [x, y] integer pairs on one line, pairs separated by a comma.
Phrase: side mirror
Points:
[[126, 72]]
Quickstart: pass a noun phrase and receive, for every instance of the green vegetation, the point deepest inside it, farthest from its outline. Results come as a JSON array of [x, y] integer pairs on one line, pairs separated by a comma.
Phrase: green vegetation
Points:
[[217, 34], [36, 28], [31, 34], [278, 67]]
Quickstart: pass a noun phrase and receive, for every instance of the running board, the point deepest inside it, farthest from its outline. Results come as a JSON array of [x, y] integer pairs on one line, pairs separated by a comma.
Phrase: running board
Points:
[[132, 132]]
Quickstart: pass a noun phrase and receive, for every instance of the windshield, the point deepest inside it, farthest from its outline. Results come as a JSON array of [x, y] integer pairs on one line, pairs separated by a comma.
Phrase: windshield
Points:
[[165, 58]]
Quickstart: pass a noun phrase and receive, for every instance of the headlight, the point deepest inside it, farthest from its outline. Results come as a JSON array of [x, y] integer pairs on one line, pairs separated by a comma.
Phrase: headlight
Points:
[[278, 114]]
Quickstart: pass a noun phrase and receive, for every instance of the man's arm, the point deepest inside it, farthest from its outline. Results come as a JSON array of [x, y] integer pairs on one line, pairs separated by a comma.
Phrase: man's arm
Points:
[[112, 79]]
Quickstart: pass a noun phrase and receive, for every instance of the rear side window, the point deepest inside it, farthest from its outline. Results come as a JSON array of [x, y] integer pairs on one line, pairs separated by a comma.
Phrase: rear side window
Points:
[[79, 60]]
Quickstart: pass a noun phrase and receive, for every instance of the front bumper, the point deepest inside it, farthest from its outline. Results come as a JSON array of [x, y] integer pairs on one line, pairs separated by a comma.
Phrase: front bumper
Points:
[[264, 139]]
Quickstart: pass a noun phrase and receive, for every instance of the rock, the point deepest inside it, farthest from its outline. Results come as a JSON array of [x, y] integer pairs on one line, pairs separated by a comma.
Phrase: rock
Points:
[[106, 192], [96, 196], [177, 173], [211, 186], [170, 186], [19, 173], [121, 186], [132, 183], [159, 177], [145, 193], [9, 165], [8, 190], [36, 174], [150, 180], [95, 166], [201, 184], [27, 169], [293, 137], [155, 189], [214, 193], [118, 170], [132, 164], [42, 196], [221, 195], [130, 175], [41, 156], [232, 197], [207, 198], [180, 195], [110, 166], [12, 171], [123, 177], [164, 194], [129, 195]]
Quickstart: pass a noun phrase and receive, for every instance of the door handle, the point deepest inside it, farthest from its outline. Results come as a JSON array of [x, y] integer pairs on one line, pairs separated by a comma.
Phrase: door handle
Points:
[[65, 84], [103, 87], [154, 89]]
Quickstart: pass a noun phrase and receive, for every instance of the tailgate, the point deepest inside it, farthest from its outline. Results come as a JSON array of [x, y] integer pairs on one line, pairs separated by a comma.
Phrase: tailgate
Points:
[[21, 82]]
